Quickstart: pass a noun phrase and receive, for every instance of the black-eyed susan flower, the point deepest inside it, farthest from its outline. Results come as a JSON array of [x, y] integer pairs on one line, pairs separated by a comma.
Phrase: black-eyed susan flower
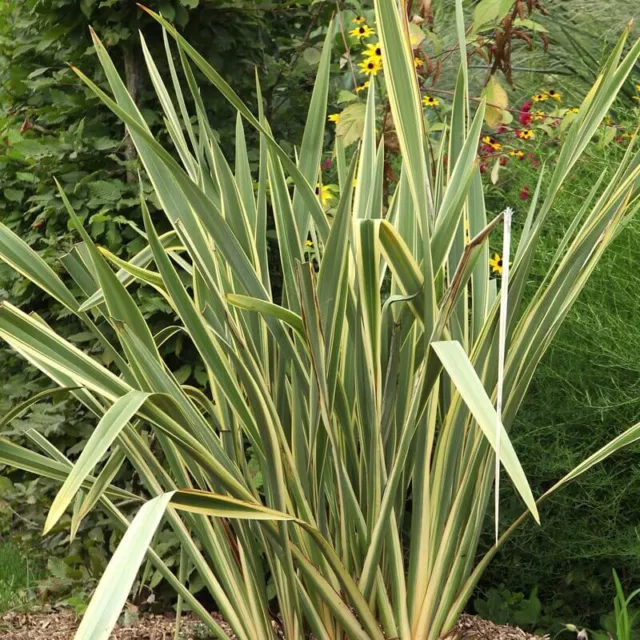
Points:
[[496, 264], [334, 117], [370, 66], [324, 193], [373, 51], [554, 95], [540, 97], [496, 146], [363, 31], [362, 87], [526, 134], [430, 101], [517, 153], [359, 20]]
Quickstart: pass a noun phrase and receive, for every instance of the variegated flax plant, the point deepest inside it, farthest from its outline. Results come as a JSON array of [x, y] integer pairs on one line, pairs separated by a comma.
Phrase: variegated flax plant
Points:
[[365, 394]]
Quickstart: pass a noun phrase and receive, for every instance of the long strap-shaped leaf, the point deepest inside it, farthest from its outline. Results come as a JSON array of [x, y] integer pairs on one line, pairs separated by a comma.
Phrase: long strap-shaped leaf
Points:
[[466, 380], [108, 429]]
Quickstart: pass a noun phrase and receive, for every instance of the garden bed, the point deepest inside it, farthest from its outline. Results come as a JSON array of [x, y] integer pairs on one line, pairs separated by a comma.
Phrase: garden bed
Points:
[[62, 625]]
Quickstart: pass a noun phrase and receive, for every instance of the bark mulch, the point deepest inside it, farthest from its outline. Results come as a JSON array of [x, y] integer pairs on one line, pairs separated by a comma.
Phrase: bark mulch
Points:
[[474, 628], [61, 625]]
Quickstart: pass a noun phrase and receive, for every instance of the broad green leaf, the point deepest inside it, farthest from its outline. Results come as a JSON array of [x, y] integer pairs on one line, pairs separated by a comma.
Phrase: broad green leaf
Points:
[[497, 102], [351, 124]]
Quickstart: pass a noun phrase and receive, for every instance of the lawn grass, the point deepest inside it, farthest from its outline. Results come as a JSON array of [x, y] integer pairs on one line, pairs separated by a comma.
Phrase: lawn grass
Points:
[[18, 576]]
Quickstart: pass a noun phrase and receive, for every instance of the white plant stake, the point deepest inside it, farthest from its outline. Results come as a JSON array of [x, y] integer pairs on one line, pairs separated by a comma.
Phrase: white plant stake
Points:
[[502, 340]]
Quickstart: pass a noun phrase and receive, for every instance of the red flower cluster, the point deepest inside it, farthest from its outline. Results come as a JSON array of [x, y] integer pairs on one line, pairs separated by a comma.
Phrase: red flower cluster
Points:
[[524, 116]]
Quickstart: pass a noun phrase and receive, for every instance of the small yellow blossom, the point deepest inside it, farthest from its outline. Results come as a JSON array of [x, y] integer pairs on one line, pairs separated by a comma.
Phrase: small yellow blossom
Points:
[[371, 66], [517, 153], [540, 97], [496, 264], [308, 243], [574, 110], [526, 134], [638, 88], [324, 193], [334, 117], [430, 101], [362, 87], [554, 95], [359, 20], [418, 63], [537, 116], [363, 31], [496, 146]]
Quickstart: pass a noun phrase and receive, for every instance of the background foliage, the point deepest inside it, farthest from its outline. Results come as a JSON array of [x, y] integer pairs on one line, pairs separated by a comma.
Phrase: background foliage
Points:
[[50, 125]]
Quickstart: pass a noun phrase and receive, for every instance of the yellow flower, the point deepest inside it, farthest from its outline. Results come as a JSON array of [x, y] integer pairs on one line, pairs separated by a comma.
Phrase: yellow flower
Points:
[[308, 243], [359, 20], [496, 146], [496, 264], [638, 88], [362, 87], [540, 97], [334, 117], [537, 116], [418, 63], [363, 31], [526, 134], [371, 66], [574, 110], [324, 193], [517, 153], [373, 51], [430, 101], [554, 95]]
